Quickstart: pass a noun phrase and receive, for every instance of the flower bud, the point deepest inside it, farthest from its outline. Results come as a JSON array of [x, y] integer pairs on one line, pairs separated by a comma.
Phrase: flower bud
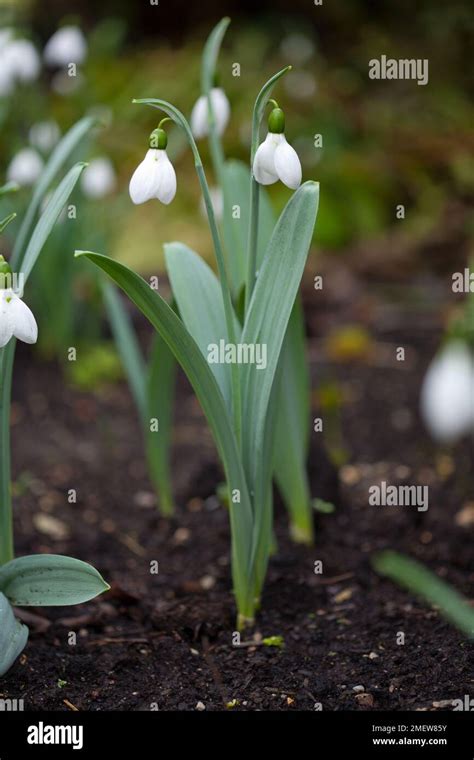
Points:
[[276, 121], [5, 274], [158, 139]]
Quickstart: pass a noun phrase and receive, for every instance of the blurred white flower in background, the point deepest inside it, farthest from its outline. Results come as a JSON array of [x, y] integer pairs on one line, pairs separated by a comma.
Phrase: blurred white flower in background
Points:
[[44, 135], [19, 62], [16, 319], [67, 45], [217, 200], [297, 48], [447, 394], [200, 113], [98, 179], [25, 167]]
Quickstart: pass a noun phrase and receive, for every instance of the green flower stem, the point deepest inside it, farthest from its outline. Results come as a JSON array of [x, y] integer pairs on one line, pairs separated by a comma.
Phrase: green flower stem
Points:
[[6, 522], [259, 109], [179, 119]]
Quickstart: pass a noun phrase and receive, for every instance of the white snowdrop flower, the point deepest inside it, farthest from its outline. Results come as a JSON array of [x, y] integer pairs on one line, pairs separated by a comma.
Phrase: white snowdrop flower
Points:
[[67, 45], [98, 179], [44, 135], [447, 394], [22, 59], [25, 167], [200, 113], [155, 177], [217, 200], [16, 319], [275, 159]]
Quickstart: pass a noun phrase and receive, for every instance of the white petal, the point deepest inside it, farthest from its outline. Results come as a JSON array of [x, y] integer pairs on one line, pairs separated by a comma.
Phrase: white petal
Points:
[[6, 326], [199, 123], [21, 58], [25, 167], [167, 186], [264, 162], [146, 178], [287, 165], [67, 45], [98, 179], [221, 109], [23, 321], [447, 394]]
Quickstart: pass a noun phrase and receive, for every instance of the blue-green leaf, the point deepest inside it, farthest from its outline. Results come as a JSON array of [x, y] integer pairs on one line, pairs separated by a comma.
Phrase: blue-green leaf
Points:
[[13, 636], [49, 580]]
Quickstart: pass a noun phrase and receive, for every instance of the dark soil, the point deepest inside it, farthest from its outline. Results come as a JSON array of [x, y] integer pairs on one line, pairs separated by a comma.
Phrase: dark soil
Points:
[[166, 641]]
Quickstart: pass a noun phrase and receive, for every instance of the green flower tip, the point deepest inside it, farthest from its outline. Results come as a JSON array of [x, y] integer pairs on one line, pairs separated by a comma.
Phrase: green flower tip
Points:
[[158, 139], [276, 121]]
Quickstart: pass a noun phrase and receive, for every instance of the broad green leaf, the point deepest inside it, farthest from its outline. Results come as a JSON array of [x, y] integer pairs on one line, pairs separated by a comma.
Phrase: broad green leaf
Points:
[[58, 158], [269, 312], [160, 387], [13, 636], [188, 354], [235, 230], [425, 584], [47, 221], [127, 345], [50, 580], [199, 299]]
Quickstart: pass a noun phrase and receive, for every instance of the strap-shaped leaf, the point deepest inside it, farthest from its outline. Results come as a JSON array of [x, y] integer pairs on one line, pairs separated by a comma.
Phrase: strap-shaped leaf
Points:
[[160, 386], [292, 429], [47, 220], [425, 584], [127, 345], [269, 312], [13, 636], [188, 354], [50, 580], [199, 299], [58, 158]]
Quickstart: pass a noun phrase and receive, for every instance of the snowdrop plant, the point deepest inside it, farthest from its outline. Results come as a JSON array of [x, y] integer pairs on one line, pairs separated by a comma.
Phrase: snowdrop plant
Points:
[[240, 398], [245, 241], [43, 579]]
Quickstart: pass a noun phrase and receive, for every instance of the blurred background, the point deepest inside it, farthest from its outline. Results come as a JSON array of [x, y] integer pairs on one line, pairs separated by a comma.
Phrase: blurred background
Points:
[[384, 144]]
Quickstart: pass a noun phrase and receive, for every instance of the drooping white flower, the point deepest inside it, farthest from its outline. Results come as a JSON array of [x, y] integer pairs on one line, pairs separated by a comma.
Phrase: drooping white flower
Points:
[[44, 135], [155, 176], [21, 59], [275, 159], [98, 179], [25, 167], [16, 319], [447, 394], [200, 113], [67, 45]]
